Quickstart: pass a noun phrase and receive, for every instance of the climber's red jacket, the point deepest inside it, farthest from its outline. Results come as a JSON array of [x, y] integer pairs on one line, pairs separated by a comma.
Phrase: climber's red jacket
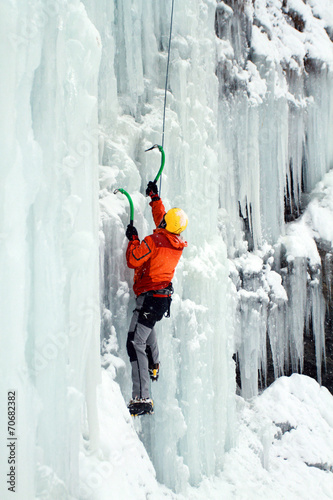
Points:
[[156, 257]]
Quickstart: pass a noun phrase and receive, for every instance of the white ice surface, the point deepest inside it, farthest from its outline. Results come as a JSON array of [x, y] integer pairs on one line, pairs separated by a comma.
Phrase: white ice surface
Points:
[[315, 224], [63, 114], [284, 449]]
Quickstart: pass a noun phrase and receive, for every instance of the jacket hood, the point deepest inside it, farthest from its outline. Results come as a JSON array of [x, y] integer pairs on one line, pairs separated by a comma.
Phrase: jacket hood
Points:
[[176, 240]]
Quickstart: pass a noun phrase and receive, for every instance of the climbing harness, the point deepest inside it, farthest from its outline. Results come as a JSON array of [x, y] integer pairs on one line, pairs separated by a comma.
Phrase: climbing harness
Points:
[[120, 190], [164, 107]]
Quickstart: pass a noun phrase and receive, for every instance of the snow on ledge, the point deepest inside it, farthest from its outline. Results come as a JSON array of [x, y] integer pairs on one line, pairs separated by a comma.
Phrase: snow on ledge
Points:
[[284, 450]]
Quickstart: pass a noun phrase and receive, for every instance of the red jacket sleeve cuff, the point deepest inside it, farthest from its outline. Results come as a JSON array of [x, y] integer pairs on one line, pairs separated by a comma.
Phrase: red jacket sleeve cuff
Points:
[[154, 198]]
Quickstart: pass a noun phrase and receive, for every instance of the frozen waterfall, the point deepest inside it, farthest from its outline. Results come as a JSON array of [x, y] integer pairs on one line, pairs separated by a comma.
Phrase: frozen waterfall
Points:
[[249, 157], [196, 344], [49, 252]]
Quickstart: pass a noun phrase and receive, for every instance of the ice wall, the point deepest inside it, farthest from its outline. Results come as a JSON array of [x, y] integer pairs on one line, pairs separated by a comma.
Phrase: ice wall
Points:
[[247, 146], [274, 64], [194, 396], [49, 57], [248, 123], [275, 110]]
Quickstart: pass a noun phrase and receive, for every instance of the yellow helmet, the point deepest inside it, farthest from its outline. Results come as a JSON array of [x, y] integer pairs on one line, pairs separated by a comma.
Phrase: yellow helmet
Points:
[[176, 220]]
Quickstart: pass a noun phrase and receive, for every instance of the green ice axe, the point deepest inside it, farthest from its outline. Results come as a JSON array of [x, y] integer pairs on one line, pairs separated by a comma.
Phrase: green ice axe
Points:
[[162, 160], [120, 190]]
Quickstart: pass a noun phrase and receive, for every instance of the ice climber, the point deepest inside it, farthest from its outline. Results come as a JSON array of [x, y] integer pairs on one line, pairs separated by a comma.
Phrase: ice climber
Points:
[[154, 261]]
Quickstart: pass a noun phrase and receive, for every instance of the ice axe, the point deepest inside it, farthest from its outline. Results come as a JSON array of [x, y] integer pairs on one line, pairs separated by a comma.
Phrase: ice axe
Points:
[[120, 190], [162, 160]]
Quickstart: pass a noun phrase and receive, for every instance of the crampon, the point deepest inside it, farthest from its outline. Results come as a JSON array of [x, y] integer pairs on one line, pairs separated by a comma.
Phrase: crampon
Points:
[[139, 407]]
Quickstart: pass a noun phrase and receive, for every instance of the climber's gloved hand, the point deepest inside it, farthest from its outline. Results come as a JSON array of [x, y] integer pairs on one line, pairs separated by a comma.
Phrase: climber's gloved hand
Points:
[[131, 233], [152, 189]]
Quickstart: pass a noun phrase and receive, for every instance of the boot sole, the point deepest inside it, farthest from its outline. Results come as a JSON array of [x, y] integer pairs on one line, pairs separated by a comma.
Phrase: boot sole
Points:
[[142, 409]]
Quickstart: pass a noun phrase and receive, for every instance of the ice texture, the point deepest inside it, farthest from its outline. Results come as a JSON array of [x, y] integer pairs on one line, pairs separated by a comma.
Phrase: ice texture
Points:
[[248, 146], [49, 252], [196, 344], [275, 118]]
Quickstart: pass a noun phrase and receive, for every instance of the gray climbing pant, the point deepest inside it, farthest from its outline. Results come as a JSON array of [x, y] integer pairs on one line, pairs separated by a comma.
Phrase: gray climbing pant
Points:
[[142, 345]]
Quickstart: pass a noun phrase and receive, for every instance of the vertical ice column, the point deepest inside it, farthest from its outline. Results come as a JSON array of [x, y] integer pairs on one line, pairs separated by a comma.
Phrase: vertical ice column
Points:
[[294, 175], [207, 368], [64, 228], [277, 325], [20, 166], [316, 314], [49, 214], [319, 128], [295, 283], [278, 336], [251, 337], [103, 15]]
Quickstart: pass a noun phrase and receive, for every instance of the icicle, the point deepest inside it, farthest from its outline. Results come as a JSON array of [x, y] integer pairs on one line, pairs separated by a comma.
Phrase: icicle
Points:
[[276, 324], [295, 283], [252, 349], [316, 311]]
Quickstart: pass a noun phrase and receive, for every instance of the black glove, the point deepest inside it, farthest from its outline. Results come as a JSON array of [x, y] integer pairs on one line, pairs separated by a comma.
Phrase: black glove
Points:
[[131, 232], [152, 189]]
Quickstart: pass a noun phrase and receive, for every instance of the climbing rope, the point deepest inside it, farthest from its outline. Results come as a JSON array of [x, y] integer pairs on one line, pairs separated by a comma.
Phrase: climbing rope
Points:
[[159, 174], [166, 82], [167, 72]]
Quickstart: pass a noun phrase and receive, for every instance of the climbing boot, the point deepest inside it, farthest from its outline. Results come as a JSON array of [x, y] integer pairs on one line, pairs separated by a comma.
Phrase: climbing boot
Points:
[[141, 406]]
